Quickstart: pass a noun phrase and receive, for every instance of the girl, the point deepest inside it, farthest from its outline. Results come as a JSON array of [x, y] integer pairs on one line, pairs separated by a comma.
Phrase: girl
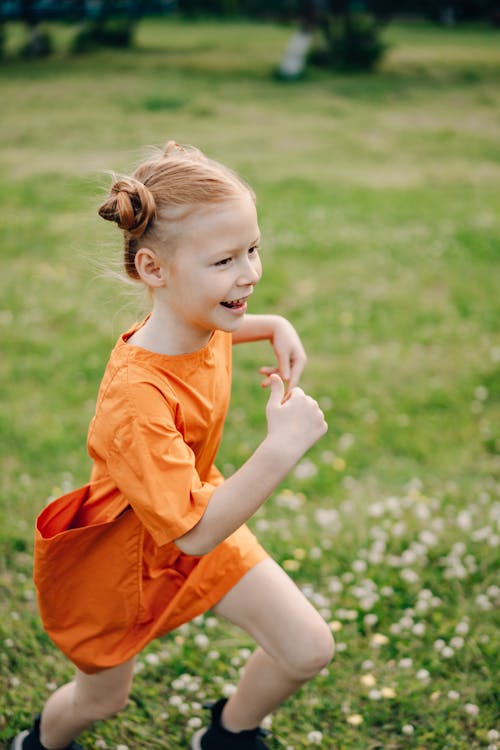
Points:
[[157, 537]]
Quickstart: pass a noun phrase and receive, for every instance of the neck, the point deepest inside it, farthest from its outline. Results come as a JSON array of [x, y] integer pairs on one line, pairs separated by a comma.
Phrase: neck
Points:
[[163, 335]]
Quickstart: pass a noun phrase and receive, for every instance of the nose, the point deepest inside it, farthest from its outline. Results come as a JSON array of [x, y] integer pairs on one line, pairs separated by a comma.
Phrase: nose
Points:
[[250, 272]]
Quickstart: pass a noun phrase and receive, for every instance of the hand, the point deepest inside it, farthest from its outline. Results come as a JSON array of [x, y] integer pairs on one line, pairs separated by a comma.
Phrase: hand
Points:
[[289, 353], [294, 420]]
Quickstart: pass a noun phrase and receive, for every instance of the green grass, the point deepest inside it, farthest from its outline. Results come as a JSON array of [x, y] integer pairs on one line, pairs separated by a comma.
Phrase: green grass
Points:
[[378, 199]]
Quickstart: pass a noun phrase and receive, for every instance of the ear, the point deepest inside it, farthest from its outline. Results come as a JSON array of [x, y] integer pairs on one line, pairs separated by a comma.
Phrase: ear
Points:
[[149, 268]]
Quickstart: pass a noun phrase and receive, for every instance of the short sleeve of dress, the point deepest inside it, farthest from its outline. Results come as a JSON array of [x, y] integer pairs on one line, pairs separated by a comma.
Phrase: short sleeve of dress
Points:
[[155, 468]]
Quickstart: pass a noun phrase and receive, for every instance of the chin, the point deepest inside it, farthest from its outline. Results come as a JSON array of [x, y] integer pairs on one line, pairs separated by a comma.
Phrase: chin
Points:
[[230, 327]]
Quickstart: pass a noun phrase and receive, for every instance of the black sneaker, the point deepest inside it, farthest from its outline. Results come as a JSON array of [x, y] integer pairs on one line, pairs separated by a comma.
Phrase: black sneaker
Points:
[[30, 739], [215, 737]]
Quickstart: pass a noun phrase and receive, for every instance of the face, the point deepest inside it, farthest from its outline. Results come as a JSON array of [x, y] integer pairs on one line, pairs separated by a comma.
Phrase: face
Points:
[[213, 271]]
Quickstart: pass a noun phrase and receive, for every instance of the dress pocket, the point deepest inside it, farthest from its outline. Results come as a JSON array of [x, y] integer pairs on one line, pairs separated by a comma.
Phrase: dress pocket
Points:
[[88, 578]]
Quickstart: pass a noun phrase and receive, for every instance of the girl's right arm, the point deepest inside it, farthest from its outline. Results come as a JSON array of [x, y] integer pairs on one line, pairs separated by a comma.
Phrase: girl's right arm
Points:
[[294, 424]]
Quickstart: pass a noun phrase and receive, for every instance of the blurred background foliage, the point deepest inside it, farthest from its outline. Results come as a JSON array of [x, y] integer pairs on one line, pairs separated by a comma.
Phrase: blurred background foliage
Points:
[[350, 31]]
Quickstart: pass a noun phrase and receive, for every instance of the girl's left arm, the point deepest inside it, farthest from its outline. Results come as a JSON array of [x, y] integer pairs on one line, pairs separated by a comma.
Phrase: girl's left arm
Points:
[[290, 355]]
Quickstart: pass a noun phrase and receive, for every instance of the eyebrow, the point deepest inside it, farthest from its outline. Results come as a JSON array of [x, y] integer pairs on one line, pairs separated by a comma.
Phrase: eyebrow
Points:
[[238, 249]]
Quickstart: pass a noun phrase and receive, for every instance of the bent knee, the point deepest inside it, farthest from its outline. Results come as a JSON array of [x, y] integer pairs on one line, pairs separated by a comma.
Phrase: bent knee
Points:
[[99, 710], [312, 654]]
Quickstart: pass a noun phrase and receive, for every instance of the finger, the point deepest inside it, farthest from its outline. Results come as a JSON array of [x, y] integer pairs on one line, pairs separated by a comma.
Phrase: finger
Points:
[[277, 390], [295, 392], [283, 366], [296, 370]]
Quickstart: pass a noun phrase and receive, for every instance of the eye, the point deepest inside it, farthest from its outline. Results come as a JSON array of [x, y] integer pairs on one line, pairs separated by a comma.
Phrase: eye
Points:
[[223, 262], [253, 251]]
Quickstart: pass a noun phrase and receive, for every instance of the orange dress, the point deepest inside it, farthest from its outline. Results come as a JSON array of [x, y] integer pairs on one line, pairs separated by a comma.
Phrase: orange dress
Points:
[[108, 573]]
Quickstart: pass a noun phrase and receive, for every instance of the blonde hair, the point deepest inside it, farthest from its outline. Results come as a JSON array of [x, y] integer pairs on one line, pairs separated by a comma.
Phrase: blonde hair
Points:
[[162, 191]]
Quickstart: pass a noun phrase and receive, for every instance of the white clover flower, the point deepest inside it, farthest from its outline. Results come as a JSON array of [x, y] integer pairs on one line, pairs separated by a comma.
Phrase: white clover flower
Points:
[[194, 722], [387, 591], [462, 628], [423, 675], [447, 652], [464, 522], [453, 695], [408, 729], [359, 566], [406, 622], [471, 709], [335, 626], [213, 655], [374, 695], [201, 640], [315, 737], [379, 639], [305, 469], [346, 441], [335, 586], [418, 629], [428, 538], [409, 576], [388, 692], [457, 642], [228, 690], [122, 747], [425, 594], [370, 620], [354, 720], [368, 680], [483, 602], [493, 735], [406, 663], [100, 743], [152, 659], [375, 510]]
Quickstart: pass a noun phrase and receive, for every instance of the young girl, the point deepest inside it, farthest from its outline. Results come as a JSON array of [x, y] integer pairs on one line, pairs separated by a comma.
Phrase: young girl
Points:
[[157, 537]]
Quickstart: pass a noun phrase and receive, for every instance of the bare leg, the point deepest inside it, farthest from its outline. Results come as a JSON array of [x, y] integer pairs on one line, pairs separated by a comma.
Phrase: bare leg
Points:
[[88, 698], [295, 642]]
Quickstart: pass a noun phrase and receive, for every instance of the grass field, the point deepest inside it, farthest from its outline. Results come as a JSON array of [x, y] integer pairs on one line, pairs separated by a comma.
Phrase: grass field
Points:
[[378, 199]]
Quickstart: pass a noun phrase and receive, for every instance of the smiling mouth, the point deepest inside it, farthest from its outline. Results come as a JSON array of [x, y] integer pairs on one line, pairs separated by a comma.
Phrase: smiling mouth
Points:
[[235, 304]]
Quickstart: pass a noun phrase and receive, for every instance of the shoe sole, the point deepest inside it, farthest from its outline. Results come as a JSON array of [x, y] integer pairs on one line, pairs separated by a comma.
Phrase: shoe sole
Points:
[[17, 742], [195, 740]]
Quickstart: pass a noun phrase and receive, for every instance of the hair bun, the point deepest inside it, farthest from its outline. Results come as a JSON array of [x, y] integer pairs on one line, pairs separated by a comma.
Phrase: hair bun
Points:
[[131, 205]]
